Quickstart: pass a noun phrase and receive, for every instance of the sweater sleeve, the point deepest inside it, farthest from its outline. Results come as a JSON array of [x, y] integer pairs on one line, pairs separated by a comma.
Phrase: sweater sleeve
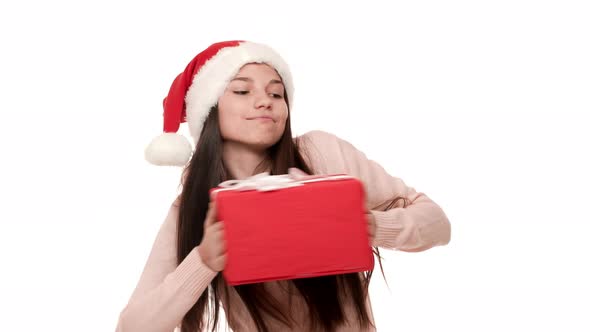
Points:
[[420, 225], [165, 291]]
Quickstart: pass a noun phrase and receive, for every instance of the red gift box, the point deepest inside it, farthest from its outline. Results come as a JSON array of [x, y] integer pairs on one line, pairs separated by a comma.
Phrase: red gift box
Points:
[[280, 228]]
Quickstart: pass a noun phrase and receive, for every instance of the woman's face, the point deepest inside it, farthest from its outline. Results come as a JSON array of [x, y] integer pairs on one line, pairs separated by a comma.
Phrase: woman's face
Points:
[[253, 110]]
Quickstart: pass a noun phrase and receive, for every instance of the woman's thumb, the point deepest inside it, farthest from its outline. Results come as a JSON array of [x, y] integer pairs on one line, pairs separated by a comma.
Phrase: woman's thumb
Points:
[[211, 214]]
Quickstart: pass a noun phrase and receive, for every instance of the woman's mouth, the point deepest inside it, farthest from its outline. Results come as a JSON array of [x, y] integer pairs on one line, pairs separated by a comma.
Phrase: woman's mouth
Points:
[[261, 118]]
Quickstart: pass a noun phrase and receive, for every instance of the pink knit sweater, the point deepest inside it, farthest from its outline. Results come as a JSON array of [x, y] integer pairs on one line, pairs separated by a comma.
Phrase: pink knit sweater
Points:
[[166, 291]]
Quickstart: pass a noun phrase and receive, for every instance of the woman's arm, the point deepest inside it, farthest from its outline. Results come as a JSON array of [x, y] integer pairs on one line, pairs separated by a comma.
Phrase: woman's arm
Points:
[[420, 225], [165, 291]]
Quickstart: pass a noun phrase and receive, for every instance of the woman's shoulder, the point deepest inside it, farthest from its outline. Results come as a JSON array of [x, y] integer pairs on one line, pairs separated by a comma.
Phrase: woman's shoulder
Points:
[[318, 138], [323, 150]]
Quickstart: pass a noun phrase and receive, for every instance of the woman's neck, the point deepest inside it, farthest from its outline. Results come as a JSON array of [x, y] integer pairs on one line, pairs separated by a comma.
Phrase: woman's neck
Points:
[[242, 161]]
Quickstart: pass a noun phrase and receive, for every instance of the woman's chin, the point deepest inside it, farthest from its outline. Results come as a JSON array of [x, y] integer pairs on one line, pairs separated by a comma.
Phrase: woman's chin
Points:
[[263, 142]]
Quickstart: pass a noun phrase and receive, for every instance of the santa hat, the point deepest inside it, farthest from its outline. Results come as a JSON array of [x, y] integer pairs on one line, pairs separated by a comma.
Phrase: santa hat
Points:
[[198, 88]]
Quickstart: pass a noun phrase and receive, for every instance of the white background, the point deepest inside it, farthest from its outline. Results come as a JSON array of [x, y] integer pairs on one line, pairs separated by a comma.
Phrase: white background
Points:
[[479, 104]]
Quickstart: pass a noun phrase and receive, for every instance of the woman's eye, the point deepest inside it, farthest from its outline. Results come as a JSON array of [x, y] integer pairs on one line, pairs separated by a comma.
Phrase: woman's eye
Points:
[[276, 95], [241, 92]]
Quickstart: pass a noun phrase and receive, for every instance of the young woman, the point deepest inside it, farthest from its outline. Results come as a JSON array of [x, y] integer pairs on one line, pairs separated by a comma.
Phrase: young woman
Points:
[[236, 97]]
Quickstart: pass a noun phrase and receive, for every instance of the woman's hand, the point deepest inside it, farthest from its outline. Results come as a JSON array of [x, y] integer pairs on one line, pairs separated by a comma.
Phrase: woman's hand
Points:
[[212, 247]]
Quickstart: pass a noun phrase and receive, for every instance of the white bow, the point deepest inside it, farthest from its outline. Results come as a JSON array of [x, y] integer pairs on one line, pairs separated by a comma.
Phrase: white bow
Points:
[[266, 182]]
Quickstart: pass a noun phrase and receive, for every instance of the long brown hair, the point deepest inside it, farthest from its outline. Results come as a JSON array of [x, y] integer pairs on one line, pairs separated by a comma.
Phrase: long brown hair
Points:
[[325, 296]]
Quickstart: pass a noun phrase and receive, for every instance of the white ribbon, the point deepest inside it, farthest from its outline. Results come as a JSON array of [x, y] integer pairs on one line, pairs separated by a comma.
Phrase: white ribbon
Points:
[[266, 182]]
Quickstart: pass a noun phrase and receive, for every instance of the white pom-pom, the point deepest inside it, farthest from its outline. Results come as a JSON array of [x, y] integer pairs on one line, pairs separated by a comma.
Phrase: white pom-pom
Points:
[[169, 149]]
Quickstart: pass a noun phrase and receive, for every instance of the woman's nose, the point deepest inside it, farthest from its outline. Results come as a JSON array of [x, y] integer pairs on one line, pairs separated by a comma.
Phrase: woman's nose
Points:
[[263, 100]]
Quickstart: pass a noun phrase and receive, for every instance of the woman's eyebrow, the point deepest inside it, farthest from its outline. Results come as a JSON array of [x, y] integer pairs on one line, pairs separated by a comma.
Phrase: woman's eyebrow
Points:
[[245, 79], [248, 79]]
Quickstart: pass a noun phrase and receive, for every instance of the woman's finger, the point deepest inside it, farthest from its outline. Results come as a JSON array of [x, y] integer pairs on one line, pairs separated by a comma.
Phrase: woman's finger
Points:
[[211, 216]]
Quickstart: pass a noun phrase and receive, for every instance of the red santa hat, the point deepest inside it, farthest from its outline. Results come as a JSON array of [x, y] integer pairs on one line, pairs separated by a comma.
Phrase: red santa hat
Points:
[[198, 88]]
